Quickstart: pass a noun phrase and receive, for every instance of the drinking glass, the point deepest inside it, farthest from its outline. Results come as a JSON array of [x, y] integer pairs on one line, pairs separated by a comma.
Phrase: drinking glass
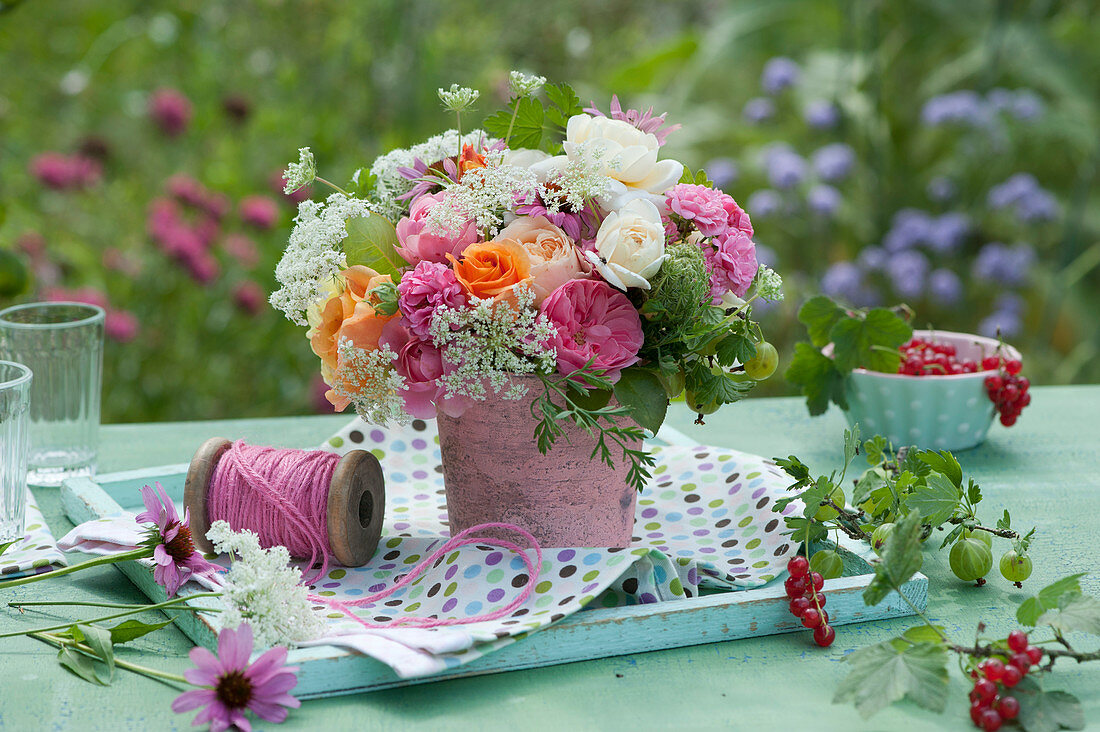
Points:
[[62, 344], [15, 394]]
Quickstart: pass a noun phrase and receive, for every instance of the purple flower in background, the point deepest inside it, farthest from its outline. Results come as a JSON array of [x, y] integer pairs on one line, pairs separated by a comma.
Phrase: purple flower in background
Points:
[[765, 203], [963, 107], [941, 189], [1027, 105], [824, 200], [1004, 265], [908, 271], [842, 279], [779, 73], [1012, 191], [171, 110], [948, 231], [766, 256], [784, 166], [909, 228], [722, 171], [873, 259], [821, 114], [1010, 302], [834, 162], [945, 286], [1036, 207], [758, 109], [999, 98], [1002, 323]]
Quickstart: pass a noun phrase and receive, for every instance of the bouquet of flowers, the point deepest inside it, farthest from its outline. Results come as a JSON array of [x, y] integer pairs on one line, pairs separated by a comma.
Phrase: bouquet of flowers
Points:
[[550, 255]]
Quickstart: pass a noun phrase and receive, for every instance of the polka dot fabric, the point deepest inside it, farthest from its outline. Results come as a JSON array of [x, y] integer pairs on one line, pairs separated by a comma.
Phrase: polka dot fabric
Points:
[[36, 552], [706, 520]]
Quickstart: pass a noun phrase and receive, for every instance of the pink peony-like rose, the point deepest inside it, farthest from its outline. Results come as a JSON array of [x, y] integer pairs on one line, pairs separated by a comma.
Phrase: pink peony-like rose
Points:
[[421, 364], [554, 258], [738, 219], [712, 211], [422, 290], [419, 243], [593, 321], [732, 264]]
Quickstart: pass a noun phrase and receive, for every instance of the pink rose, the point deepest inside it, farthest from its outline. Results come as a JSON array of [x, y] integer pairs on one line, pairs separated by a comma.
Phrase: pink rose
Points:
[[422, 290], [421, 364], [554, 258], [705, 207], [593, 321], [732, 264], [419, 243]]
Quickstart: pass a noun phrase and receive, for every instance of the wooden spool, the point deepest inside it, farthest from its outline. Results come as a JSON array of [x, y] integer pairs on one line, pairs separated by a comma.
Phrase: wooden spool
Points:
[[356, 502]]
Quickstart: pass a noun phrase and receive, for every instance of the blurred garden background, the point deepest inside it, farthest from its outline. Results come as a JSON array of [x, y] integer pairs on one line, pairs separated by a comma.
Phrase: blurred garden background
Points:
[[932, 152]]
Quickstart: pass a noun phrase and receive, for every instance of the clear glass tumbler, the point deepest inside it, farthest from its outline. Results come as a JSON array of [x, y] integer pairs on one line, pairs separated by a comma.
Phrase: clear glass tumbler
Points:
[[62, 344], [15, 395]]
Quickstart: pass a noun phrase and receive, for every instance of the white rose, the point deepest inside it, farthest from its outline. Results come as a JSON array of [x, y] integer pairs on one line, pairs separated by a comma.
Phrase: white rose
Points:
[[523, 157], [630, 245], [629, 155]]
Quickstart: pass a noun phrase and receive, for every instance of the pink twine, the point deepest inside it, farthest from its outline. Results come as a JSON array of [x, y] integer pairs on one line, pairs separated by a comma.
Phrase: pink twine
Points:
[[282, 496]]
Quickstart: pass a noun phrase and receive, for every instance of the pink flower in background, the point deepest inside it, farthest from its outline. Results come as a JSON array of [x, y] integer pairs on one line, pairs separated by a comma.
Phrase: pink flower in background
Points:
[[732, 264], [121, 326], [593, 321], [187, 190], [418, 244], [249, 297], [242, 249], [421, 364], [644, 121], [230, 685], [207, 230], [86, 295], [709, 209], [32, 244], [202, 267], [317, 399], [217, 205], [173, 548], [277, 183], [259, 211], [171, 110], [422, 290], [120, 261], [65, 172]]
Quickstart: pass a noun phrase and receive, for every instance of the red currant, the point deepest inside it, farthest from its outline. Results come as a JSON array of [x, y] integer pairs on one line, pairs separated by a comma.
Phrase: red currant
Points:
[[1013, 367], [800, 605], [1020, 661], [1017, 641], [795, 586], [821, 598], [1008, 419], [799, 566], [818, 581], [989, 363], [1008, 707], [985, 690], [993, 669], [1034, 655], [811, 618], [990, 721], [824, 635], [1011, 676], [994, 384], [976, 709]]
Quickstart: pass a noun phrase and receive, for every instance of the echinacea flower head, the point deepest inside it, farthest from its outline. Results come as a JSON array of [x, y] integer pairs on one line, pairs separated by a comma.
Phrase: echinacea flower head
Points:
[[173, 547], [231, 685]]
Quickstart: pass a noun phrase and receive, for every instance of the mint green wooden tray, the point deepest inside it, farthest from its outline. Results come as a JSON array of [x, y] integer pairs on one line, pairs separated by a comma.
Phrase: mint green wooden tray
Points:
[[596, 633]]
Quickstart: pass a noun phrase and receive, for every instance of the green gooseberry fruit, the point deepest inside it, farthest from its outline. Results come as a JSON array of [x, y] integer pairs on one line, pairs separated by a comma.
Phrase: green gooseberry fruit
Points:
[[970, 559], [828, 513], [673, 384], [695, 406], [982, 536], [1015, 567], [879, 537], [764, 363], [827, 563]]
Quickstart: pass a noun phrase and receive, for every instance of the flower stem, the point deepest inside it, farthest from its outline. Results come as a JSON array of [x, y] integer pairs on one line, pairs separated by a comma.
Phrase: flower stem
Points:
[[515, 112], [110, 559], [131, 611], [87, 651], [136, 606], [331, 185]]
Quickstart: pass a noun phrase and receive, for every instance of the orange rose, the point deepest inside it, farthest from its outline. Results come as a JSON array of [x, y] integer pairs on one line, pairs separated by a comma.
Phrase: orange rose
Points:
[[491, 269], [348, 314]]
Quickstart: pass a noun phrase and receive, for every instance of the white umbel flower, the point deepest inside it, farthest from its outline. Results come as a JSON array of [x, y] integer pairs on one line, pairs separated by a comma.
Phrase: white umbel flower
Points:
[[458, 98], [301, 173], [523, 85]]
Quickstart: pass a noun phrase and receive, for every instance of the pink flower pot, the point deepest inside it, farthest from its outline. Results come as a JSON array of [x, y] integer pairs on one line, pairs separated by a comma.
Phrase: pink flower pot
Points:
[[494, 472]]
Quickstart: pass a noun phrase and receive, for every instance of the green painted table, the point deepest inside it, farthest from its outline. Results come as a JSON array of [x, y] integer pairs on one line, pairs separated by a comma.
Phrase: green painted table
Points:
[[1046, 470]]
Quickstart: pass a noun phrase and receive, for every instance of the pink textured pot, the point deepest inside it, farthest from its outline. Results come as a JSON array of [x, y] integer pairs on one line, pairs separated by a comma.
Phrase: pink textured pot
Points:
[[494, 472]]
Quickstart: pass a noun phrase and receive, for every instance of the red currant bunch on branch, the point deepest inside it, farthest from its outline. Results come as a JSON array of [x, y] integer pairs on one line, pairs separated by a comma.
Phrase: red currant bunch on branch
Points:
[[803, 587], [1007, 388], [991, 704]]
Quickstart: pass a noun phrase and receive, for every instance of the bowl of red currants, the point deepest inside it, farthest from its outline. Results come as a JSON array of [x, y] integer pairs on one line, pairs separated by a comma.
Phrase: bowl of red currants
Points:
[[947, 391]]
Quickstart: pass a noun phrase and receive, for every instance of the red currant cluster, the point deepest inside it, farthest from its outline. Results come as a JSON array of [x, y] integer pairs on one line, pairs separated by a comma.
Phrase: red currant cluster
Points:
[[988, 708], [924, 358], [1006, 388], [807, 601]]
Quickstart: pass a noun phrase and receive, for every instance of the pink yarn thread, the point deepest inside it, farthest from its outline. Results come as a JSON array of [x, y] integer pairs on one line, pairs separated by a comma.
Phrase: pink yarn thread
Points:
[[282, 496]]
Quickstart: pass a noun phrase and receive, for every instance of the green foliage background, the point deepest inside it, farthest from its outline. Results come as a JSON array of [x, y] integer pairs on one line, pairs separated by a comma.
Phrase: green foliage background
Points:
[[352, 80]]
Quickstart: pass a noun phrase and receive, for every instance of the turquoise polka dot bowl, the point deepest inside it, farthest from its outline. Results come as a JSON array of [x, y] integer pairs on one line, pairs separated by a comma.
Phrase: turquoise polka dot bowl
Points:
[[937, 412]]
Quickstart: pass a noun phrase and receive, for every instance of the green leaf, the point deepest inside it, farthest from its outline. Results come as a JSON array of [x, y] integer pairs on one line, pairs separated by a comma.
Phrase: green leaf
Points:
[[816, 376], [1005, 522], [4, 546], [943, 462], [735, 347], [565, 103], [936, 500], [795, 468], [527, 130], [874, 450], [80, 665], [640, 391], [814, 495], [1047, 711], [883, 674], [924, 634], [819, 315], [129, 630], [372, 242], [870, 481], [901, 558], [99, 640], [1047, 599], [871, 342], [1075, 612], [851, 444], [722, 387]]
